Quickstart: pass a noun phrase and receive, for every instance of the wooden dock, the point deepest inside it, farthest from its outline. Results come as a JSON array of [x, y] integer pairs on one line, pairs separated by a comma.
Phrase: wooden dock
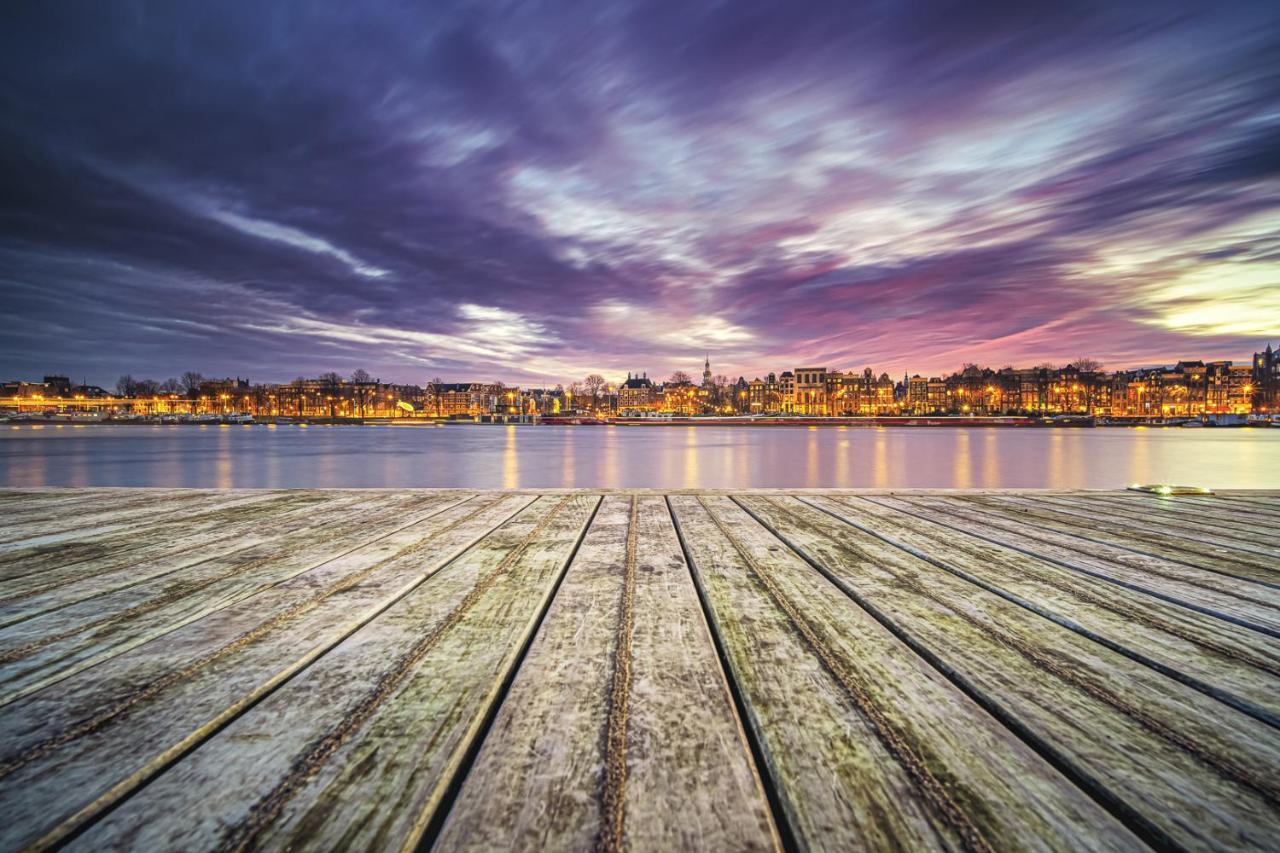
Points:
[[578, 670]]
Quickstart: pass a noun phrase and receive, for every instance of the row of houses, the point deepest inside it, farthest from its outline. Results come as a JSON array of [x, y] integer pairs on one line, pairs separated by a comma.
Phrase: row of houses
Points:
[[1186, 389]]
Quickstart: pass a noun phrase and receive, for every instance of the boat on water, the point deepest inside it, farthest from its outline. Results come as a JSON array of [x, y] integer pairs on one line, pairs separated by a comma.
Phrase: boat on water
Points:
[[853, 421], [573, 421]]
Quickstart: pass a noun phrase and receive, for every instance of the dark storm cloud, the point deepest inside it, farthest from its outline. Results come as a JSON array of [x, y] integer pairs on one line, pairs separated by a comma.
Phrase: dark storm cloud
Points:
[[533, 190]]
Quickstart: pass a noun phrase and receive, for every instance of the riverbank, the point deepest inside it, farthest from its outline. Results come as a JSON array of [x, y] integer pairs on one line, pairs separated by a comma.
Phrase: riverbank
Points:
[[747, 670], [956, 421]]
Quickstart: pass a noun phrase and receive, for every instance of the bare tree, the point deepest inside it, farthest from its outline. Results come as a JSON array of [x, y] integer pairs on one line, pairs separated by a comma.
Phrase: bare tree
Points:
[[171, 386], [191, 382], [299, 395], [720, 386], [146, 388], [331, 382], [593, 385], [1084, 364], [679, 378], [361, 393], [126, 386]]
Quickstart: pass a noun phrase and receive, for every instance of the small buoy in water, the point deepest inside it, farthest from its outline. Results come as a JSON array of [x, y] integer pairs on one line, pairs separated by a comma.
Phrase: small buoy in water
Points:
[[1166, 491]]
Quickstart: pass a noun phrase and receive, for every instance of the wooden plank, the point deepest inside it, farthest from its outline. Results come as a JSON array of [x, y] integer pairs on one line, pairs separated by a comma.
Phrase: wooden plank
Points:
[[77, 748], [134, 560], [1258, 498], [1162, 521], [1136, 523], [1221, 560], [118, 516], [867, 746], [355, 751], [1210, 513], [545, 777], [61, 503], [1189, 770], [32, 559], [1232, 664], [1237, 601], [42, 650]]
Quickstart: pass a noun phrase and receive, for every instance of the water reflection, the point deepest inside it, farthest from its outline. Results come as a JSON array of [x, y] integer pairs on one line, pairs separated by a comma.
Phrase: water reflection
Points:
[[511, 460], [654, 457], [880, 461], [990, 460], [962, 472]]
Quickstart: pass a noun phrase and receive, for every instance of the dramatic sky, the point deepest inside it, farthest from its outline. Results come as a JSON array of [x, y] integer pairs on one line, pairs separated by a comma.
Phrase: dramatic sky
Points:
[[529, 192]]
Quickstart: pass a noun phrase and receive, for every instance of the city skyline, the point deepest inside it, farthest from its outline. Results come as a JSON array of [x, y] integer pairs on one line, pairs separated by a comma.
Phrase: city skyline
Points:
[[540, 192], [1189, 387]]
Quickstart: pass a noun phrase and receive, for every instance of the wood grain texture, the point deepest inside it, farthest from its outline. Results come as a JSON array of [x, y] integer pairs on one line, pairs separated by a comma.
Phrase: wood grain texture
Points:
[[1196, 771], [687, 781], [640, 670], [870, 747], [1221, 659], [333, 765], [1245, 602]]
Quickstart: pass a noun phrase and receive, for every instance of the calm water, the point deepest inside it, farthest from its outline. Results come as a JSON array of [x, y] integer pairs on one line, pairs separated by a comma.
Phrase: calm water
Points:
[[667, 457]]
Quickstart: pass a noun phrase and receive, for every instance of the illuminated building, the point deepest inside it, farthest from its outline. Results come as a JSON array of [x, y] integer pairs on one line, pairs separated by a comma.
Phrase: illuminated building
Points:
[[809, 395], [638, 394], [1265, 379]]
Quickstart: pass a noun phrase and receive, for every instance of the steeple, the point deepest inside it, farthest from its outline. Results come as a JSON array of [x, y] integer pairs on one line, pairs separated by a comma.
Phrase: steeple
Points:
[[706, 370]]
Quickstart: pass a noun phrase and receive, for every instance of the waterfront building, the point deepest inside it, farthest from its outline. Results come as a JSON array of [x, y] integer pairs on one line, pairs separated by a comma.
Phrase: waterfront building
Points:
[[809, 395], [471, 399], [786, 391], [917, 400], [1265, 379], [638, 394], [682, 398]]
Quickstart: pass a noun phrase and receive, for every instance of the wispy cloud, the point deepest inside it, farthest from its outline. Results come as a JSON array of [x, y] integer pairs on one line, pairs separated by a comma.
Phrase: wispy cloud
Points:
[[296, 238]]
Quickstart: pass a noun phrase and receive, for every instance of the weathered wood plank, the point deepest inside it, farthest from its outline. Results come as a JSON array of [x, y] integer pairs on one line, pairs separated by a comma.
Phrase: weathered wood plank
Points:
[[1239, 505], [1260, 498], [868, 747], [1230, 663], [67, 503], [1222, 560], [133, 560], [1210, 512], [1191, 770], [30, 562], [356, 750], [550, 776], [42, 650], [1159, 521], [1234, 600], [117, 517], [75, 749]]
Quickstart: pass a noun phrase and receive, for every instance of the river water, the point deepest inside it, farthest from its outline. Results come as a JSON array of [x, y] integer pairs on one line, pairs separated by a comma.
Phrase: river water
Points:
[[489, 457]]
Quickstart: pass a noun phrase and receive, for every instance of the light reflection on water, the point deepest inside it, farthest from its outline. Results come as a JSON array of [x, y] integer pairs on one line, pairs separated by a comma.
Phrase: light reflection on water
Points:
[[621, 457]]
